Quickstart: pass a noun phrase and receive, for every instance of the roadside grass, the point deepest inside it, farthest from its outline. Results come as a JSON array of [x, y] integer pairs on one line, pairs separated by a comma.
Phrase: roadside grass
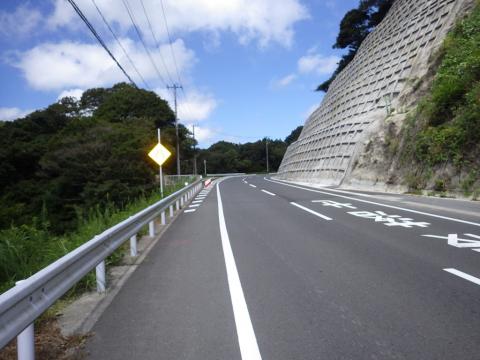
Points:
[[26, 249]]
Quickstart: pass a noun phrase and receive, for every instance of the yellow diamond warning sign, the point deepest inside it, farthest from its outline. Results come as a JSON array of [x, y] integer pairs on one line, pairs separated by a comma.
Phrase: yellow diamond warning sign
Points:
[[159, 154]]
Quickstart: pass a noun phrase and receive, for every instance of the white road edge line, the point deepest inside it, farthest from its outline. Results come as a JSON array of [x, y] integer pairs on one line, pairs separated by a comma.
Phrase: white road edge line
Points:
[[311, 211], [246, 335], [463, 275], [268, 192], [254, 186], [379, 204]]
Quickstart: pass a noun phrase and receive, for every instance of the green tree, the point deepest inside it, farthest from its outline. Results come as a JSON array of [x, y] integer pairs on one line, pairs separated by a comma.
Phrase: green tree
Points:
[[354, 28]]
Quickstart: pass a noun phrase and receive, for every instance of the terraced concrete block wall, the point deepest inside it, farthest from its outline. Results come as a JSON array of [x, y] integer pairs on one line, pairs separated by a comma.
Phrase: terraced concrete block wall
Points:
[[368, 89]]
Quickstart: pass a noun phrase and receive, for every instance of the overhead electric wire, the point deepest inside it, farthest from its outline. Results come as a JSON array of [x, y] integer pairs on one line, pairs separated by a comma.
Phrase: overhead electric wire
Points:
[[99, 39], [120, 44], [170, 42], [156, 42], [130, 14]]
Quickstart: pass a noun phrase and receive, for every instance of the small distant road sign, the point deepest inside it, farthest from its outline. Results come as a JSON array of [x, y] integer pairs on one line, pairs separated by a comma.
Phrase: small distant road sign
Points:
[[159, 154]]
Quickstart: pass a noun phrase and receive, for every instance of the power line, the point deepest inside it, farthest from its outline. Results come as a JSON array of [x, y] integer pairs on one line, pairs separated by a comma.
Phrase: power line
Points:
[[98, 37], [156, 41], [130, 14], [170, 42], [120, 44]]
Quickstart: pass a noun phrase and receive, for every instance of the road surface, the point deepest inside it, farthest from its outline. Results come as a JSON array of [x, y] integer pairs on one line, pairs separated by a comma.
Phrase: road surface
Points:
[[261, 269]]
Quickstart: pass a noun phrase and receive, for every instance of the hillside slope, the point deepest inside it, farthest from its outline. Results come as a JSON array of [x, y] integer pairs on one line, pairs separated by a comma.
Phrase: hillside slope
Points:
[[432, 141]]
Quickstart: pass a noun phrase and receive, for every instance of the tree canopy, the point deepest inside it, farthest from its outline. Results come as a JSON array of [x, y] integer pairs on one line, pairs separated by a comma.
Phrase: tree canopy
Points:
[[354, 28]]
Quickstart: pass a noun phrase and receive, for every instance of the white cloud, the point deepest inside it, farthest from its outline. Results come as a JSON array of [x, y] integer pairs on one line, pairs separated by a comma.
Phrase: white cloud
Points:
[[8, 114], [19, 23], [283, 82], [74, 93], [195, 106], [65, 65], [317, 64], [203, 134], [264, 21]]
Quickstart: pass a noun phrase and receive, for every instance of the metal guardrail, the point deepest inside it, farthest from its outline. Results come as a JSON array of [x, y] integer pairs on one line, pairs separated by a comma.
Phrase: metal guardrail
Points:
[[22, 304]]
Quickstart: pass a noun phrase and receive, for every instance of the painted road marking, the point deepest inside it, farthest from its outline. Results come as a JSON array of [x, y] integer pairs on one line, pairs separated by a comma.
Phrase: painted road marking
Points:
[[254, 186], [190, 210], [197, 201], [389, 220], [379, 204], [194, 205], [463, 275], [454, 240], [311, 211], [268, 192], [334, 204], [246, 335]]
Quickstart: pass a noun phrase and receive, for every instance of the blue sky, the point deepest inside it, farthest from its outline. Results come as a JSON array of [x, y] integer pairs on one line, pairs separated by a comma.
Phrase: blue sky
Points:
[[248, 67]]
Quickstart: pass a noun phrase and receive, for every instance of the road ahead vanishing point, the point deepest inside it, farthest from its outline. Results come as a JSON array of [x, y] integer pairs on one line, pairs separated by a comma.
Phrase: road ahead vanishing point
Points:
[[261, 269]]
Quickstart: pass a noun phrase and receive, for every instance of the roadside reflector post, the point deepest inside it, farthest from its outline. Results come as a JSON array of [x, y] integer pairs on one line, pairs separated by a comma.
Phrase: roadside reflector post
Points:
[[151, 228], [26, 341], [162, 218], [100, 274], [133, 246], [171, 211]]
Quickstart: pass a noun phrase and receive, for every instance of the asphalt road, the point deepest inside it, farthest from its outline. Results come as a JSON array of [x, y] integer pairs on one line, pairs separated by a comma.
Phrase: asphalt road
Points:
[[271, 270]]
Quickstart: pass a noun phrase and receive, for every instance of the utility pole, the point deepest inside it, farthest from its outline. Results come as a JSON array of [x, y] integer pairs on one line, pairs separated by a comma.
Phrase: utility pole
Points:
[[205, 167], [266, 149], [174, 87], [194, 152]]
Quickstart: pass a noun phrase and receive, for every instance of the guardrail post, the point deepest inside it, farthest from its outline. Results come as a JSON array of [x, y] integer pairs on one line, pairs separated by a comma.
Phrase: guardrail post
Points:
[[181, 201], [151, 228], [26, 341], [133, 246], [162, 218], [177, 205], [100, 274], [171, 211]]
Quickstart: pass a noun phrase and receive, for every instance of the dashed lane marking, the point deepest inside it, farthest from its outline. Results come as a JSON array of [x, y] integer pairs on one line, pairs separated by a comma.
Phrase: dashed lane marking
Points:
[[377, 203], [463, 275], [190, 210], [311, 211], [268, 192], [254, 186], [194, 205]]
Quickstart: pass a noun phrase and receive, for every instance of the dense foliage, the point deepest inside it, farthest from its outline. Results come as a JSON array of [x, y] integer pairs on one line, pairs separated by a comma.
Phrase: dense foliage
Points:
[[59, 162], [446, 126], [354, 28]]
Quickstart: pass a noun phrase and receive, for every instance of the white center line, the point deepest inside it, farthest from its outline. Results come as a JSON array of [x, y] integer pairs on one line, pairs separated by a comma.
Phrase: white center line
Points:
[[190, 210], [464, 275], [268, 192], [254, 186], [311, 211], [246, 335]]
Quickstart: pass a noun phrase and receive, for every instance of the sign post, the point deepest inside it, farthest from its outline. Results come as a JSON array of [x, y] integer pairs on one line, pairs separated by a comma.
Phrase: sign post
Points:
[[160, 172], [160, 154]]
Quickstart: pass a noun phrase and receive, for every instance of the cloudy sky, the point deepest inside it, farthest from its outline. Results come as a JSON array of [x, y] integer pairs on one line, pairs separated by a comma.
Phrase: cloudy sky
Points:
[[248, 67]]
